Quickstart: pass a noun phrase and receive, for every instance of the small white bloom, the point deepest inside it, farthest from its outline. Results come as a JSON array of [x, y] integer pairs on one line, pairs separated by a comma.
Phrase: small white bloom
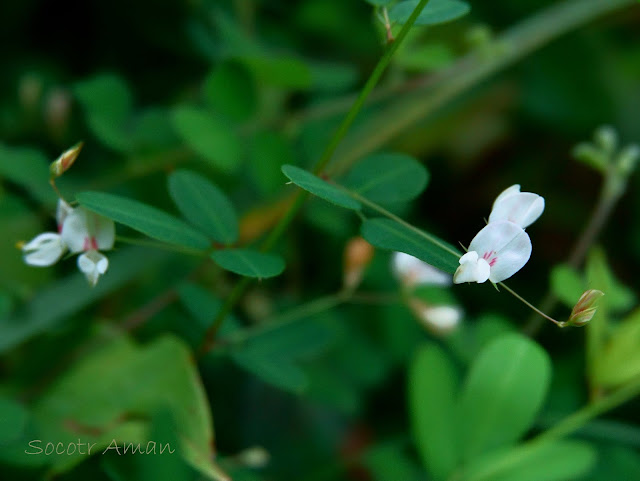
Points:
[[496, 253], [412, 271], [80, 231], [521, 208], [93, 264], [44, 250]]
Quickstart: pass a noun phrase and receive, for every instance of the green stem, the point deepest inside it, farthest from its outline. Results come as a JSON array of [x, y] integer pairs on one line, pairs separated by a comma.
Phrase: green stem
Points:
[[404, 223], [425, 100], [531, 306], [160, 245], [320, 165]]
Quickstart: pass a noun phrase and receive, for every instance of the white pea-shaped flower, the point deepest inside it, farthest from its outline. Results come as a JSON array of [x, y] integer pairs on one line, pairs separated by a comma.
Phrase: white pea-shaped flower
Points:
[[496, 253], [411, 271], [79, 231], [521, 208]]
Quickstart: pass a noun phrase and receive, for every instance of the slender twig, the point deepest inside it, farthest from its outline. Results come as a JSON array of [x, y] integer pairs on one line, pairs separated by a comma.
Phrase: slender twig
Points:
[[160, 245]]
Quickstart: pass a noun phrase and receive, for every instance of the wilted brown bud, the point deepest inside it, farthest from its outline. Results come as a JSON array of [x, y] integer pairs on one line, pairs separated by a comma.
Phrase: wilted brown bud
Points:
[[585, 308], [357, 256], [65, 161]]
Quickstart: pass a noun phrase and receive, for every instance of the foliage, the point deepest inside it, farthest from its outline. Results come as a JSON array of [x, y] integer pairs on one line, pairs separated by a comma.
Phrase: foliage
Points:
[[262, 161]]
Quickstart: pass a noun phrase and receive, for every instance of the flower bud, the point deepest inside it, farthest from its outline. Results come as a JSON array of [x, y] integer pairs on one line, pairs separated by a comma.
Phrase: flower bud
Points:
[[65, 161], [255, 457], [357, 256], [440, 320], [588, 154], [585, 308], [606, 138]]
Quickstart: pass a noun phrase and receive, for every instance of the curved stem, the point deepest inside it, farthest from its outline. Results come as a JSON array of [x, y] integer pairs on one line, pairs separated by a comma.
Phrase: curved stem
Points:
[[528, 304]]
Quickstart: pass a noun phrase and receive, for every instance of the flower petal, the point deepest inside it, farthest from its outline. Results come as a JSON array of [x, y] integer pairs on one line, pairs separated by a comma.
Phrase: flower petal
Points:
[[443, 319], [506, 246], [93, 264], [508, 192], [412, 271], [75, 230], [44, 250], [62, 212], [472, 269], [84, 230], [521, 208]]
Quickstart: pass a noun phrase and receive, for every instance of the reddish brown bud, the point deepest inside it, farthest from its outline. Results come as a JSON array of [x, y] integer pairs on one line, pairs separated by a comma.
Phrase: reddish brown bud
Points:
[[357, 256], [585, 308], [65, 161]]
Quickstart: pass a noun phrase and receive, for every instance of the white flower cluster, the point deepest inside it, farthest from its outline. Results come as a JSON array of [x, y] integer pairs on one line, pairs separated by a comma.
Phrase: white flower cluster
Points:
[[502, 247], [79, 230]]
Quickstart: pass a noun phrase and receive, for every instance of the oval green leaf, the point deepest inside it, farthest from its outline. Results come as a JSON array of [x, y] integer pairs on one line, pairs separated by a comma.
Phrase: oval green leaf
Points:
[[230, 90], [436, 11], [554, 461], [388, 178], [391, 235], [204, 205], [208, 136], [107, 103], [250, 263], [143, 218], [321, 188], [433, 384], [502, 394]]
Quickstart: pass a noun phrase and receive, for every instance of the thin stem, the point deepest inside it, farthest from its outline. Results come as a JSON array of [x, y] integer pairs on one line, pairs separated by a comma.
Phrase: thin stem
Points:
[[607, 201], [367, 89], [528, 304], [394, 217], [160, 245], [320, 165]]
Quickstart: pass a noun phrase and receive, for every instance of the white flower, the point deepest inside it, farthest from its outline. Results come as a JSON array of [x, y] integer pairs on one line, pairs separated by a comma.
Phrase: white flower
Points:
[[79, 231], [412, 271], [521, 208], [439, 319], [93, 264], [496, 253], [44, 250]]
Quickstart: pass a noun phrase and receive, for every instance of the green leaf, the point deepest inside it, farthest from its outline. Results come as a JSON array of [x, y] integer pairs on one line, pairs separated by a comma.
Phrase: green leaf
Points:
[[433, 384], [435, 12], [27, 168], [45, 311], [135, 383], [269, 151], [502, 394], [250, 263], [388, 461], [143, 218], [566, 284], [619, 360], [387, 178], [230, 90], [107, 103], [273, 353], [208, 136], [555, 461], [285, 72], [379, 3], [391, 235], [204, 205], [321, 188], [13, 419]]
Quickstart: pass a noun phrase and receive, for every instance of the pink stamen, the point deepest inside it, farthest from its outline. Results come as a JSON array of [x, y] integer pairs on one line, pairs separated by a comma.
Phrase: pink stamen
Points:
[[487, 255]]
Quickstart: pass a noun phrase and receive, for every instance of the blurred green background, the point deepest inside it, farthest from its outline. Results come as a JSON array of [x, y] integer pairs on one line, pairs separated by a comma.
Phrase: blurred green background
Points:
[[233, 90]]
